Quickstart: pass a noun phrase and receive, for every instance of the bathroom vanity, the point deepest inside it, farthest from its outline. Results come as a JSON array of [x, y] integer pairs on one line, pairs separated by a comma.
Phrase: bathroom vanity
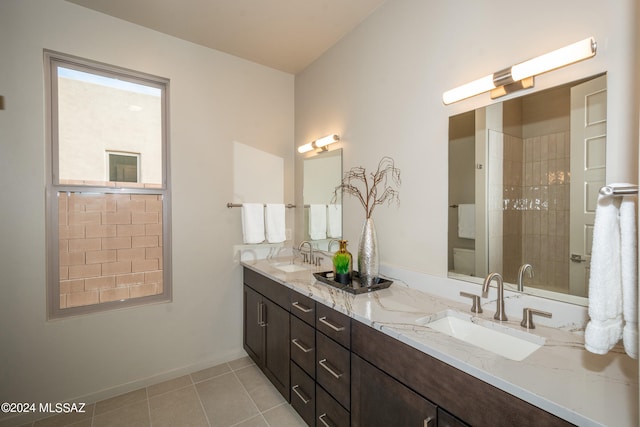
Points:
[[364, 360]]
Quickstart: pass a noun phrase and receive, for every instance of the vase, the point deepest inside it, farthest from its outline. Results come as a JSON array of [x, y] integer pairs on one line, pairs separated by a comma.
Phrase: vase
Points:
[[368, 259], [342, 264]]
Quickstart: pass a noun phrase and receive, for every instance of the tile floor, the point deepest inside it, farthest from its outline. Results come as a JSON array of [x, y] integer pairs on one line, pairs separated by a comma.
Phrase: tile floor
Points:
[[231, 394]]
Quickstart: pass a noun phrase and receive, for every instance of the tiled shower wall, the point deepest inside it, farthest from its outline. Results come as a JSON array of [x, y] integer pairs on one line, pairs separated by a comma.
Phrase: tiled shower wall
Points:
[[110, 247], [539, 208]]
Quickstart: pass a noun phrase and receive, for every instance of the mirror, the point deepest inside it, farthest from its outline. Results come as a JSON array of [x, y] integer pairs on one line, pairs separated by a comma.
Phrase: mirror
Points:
[[524, 176], [322, 173]]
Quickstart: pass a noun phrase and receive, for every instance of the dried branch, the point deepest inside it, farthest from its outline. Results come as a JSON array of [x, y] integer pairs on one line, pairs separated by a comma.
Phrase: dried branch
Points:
[[386, 176]]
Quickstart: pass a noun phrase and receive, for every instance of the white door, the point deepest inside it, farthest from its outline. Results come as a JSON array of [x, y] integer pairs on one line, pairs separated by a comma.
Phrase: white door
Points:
[[588, 148]]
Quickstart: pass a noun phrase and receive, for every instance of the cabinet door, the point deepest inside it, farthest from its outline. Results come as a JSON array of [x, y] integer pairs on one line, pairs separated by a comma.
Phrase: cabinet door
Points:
[[276, 359], [379, 400], [253, 328]]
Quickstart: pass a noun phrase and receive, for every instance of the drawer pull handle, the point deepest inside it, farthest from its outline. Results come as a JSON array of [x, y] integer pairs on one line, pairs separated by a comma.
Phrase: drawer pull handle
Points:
[[301, 307], [261, 321], [302, 397], [300, 346], [324, 320], [323, 363], [427, 422], [321, 418]]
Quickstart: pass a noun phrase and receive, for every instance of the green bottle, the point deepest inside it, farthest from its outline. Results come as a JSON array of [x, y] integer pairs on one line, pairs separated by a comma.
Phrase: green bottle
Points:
[[342, 264]]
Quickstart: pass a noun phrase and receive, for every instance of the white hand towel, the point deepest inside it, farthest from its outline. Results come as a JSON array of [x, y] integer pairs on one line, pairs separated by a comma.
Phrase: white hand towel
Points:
[[334, 221], [253, 222], [604, 329], [629, 272], [467, 221], [318, 222], [274, 223]]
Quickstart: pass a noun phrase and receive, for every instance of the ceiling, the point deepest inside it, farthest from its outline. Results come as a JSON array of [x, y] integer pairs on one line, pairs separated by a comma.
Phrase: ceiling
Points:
[[283, 34]]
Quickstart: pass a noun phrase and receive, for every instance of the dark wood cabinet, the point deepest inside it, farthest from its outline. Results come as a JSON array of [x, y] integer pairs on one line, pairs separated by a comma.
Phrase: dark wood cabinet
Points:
[[266, 328], [338, 372], [253, 329], [469, 399], [333, 368], [380, 400], [303, 394], [303, 345], [276, 361], [329, 413]]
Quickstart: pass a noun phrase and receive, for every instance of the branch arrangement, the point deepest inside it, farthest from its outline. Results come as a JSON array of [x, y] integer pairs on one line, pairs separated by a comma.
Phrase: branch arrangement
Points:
[[379, 186]]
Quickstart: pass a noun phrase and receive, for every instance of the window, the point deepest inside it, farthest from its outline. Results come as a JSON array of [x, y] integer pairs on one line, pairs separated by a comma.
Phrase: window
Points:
[[108, 192], [123, 167]]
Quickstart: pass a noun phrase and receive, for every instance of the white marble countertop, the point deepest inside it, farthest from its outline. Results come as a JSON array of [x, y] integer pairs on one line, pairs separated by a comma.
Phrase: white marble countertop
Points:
[[561, 377]]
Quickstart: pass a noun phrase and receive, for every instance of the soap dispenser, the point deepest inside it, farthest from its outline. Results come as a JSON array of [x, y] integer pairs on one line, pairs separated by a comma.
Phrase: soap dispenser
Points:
[[342, 264]]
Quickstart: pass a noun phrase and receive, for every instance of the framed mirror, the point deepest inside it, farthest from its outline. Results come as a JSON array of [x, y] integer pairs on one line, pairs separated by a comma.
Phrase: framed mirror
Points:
[[322, 173], [524, 176]]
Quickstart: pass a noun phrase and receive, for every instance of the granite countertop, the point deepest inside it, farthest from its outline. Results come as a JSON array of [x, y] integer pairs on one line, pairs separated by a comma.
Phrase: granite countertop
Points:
[[561, 377]]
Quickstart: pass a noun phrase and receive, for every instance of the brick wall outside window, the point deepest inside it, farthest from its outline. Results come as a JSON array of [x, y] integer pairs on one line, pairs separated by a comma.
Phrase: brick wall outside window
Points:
[[110, 247]]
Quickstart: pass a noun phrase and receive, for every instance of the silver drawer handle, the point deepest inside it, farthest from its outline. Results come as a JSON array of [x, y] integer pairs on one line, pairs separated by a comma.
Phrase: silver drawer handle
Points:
[[321, 418], [328, 369], [427, 422], [304, 399], [301, 307], [324, 320], [300, 346], [261, 321]]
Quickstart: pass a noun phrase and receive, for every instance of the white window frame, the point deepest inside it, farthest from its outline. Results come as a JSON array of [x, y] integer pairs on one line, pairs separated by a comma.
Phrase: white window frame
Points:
[[53, 187], [121, 153]]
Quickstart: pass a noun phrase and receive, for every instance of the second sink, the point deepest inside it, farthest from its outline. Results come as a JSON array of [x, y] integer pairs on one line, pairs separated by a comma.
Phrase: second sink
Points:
[[494, 337]]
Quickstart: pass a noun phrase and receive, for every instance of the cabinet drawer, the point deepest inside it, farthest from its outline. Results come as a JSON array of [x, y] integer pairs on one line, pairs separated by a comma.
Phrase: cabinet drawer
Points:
[[333, 324], [303, 390], [333, 369], [303, 345], [329, 413], [303, 307], [445, 419], [271, 289]]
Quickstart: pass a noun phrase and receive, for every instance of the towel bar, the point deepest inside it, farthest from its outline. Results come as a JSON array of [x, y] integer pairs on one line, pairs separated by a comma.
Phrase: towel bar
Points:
[[239, 205], [608, 190]]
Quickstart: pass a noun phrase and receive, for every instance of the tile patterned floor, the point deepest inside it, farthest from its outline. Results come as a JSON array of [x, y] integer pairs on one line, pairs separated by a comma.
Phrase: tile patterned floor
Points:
[[231, 394]]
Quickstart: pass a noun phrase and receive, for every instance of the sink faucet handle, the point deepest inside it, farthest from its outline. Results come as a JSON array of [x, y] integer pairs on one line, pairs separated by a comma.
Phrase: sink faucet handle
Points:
[[527, 317], [475, 307]]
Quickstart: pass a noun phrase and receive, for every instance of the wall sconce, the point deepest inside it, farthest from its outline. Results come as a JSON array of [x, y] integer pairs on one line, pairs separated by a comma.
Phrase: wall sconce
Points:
[[319, 143], [520, 76]]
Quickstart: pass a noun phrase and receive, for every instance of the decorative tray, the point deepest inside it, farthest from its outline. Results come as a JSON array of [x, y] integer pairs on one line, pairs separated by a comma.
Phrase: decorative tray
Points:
[[355, 287]]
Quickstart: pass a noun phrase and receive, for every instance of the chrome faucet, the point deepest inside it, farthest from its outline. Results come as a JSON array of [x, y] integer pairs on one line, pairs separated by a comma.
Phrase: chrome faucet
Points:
[[310, 260], [523, 268], [331, 242], [500, 314]]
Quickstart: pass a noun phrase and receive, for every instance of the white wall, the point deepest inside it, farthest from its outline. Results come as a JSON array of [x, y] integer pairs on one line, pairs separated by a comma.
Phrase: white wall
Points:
[[215, 99], [380, 88]]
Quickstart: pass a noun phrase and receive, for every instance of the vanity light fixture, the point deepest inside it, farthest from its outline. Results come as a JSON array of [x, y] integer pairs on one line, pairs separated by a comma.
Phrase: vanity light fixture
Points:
[[319, 143], [520, 76]]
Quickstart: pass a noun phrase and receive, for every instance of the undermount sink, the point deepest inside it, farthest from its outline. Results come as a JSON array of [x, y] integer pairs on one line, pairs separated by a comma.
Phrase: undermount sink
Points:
[[494, 337], [288, 267]]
